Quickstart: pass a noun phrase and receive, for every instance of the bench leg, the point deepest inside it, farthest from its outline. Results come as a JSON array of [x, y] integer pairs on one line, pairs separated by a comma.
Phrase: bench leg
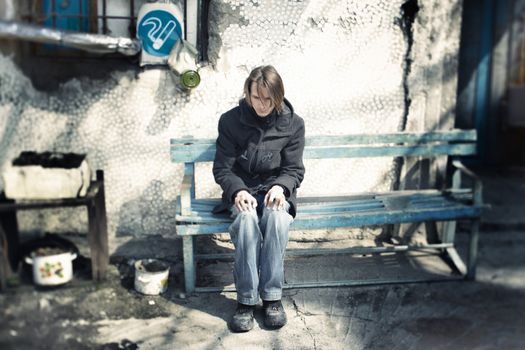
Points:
[[473, 250], [452, 253], [449, 236], [189, 263], [449, 232]]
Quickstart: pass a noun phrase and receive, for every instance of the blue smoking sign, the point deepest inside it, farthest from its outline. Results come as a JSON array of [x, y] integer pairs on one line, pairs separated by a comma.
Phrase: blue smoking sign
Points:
[[159, 31]]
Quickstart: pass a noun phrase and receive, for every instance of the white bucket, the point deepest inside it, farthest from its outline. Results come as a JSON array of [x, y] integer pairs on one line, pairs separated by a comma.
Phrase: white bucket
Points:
[[151, 276]]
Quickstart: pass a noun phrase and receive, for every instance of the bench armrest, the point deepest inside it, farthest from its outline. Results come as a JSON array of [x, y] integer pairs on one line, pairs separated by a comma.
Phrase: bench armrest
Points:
[[456, 181]]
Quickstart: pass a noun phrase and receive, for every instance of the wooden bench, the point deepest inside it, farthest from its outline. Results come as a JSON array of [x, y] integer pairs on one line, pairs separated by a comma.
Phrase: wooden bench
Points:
[[446, 205]]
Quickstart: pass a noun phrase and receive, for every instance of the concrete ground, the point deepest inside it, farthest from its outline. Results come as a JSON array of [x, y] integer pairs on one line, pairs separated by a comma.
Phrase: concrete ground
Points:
[[484, 314]]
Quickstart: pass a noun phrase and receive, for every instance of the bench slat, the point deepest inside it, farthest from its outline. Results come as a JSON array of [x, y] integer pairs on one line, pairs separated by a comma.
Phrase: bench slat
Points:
[[204, 217], [330, 251], [389, 151], [400, 137], [362, 198], [453, 142], [367, 199], [304, 202], [395, 205], [364, 219], [206, 153], [456, 135]]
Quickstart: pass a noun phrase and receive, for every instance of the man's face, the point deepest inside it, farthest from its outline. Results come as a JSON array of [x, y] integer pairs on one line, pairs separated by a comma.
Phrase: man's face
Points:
[[261, 101]]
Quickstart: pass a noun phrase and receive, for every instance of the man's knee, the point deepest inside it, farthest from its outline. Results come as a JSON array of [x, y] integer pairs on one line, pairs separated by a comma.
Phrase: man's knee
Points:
[[249, 216], [279, 218], [245, 226]]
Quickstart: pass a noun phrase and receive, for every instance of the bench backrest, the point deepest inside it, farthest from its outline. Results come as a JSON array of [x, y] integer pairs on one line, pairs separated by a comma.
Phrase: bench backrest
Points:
[[403, 144]]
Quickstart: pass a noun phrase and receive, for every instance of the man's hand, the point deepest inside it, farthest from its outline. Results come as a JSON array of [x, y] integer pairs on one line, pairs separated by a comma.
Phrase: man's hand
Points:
[[275, 198], [245, 201]]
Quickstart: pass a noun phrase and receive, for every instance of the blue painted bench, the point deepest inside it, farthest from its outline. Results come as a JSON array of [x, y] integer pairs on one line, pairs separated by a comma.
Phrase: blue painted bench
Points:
[[194, 217]]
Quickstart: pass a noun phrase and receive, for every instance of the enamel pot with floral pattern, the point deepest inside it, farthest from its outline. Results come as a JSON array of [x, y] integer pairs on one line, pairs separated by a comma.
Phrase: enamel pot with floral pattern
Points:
[[51, 270]]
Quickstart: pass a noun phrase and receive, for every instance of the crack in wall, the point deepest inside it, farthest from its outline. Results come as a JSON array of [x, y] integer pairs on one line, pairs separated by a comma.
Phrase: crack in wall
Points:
[[409, 11]]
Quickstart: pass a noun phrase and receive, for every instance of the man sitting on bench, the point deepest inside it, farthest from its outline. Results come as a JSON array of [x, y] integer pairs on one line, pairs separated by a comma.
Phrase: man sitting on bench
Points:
[[259, 166]]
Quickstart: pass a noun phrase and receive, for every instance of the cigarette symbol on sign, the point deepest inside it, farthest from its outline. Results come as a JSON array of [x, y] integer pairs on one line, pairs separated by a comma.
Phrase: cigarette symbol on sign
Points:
[[157, 38], [159, 31]]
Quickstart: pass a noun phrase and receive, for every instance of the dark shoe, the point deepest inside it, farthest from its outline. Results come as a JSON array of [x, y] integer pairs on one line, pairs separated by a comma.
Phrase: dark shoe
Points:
[[242, 320], [274, 315]]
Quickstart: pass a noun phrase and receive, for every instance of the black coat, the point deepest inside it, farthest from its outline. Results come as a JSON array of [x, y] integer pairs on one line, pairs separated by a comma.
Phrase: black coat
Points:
[[255, 153]]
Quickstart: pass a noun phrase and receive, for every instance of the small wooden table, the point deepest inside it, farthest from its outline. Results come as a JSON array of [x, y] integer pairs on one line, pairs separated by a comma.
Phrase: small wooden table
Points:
[[97, 230]]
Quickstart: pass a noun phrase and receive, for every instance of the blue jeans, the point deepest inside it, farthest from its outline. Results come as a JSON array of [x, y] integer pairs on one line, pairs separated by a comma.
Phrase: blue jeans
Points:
[[260, 237]]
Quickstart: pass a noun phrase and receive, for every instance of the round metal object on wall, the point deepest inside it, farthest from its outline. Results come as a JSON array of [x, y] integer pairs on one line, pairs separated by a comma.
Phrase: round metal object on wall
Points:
[[190, 79]]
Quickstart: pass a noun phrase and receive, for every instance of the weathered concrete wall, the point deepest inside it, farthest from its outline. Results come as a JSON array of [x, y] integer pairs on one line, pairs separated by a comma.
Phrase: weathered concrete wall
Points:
[[348, 67]]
